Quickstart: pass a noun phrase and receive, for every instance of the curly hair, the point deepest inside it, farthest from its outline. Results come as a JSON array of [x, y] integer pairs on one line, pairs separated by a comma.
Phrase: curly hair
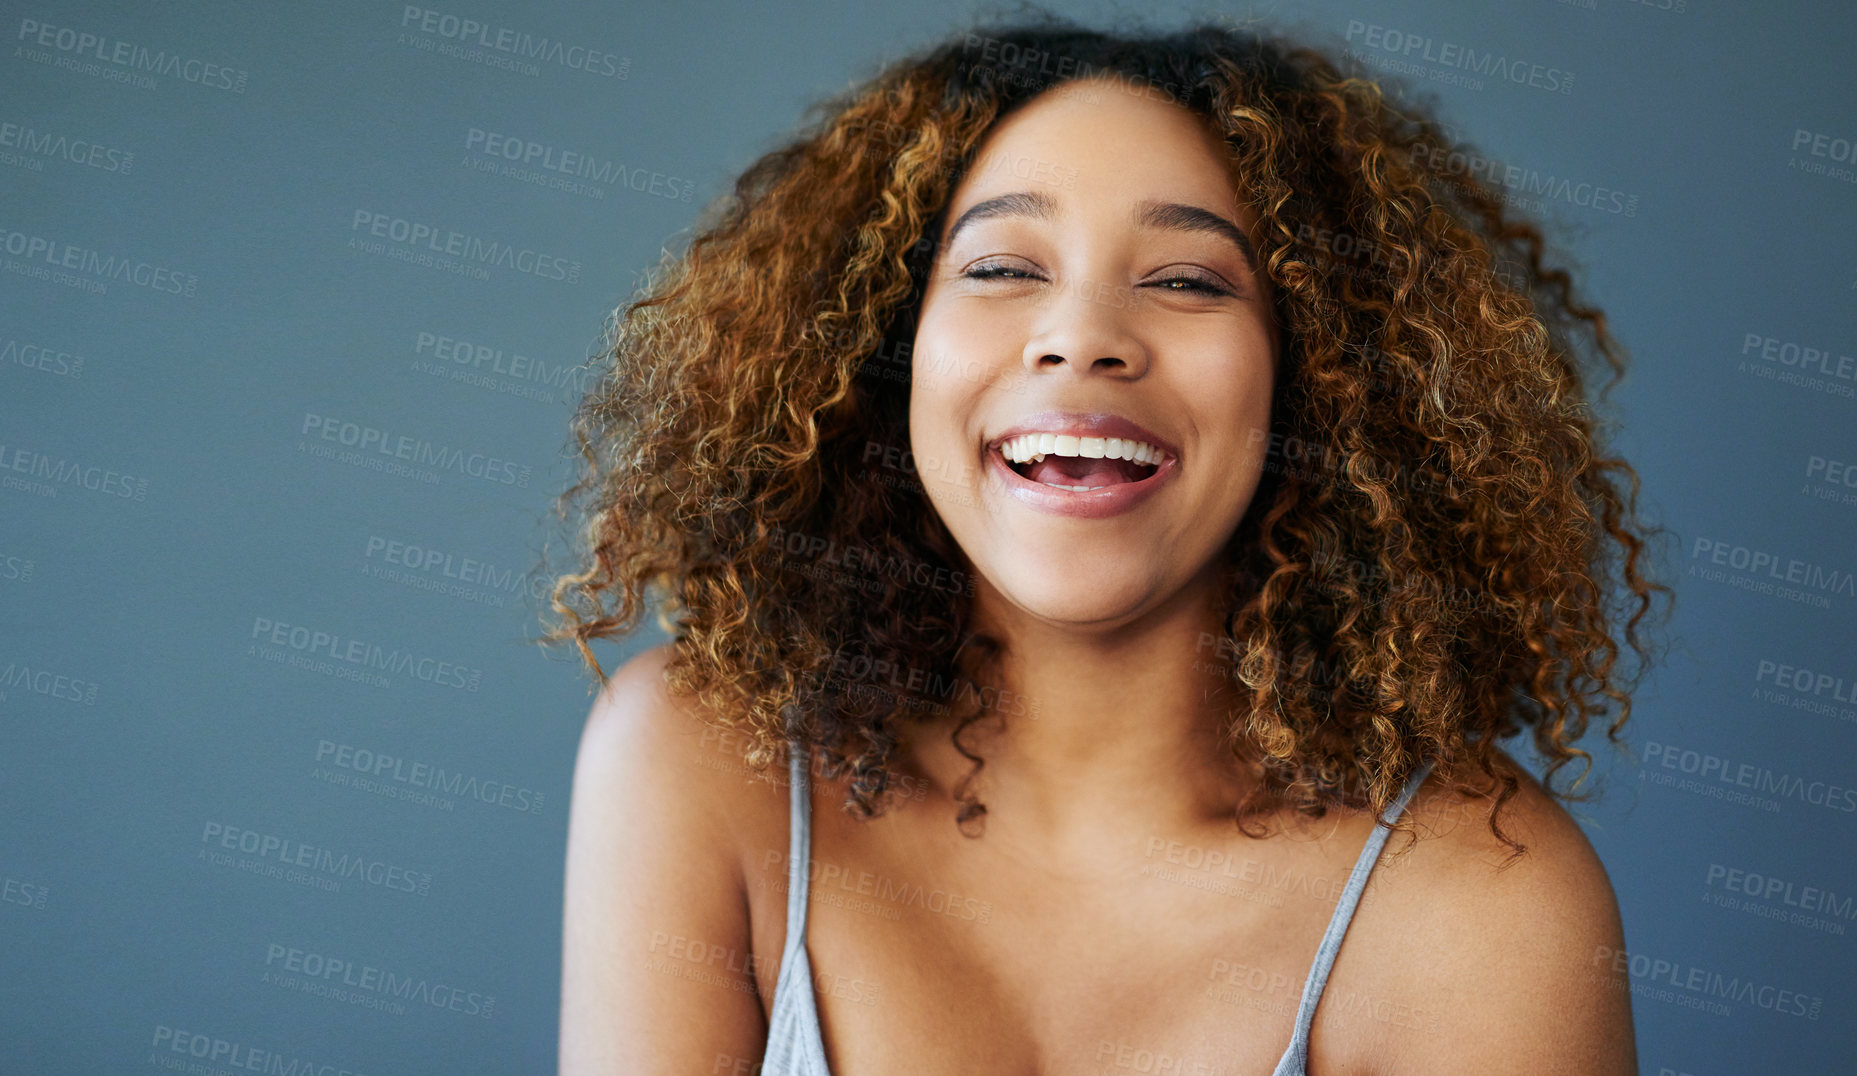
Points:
[[1427, 567]]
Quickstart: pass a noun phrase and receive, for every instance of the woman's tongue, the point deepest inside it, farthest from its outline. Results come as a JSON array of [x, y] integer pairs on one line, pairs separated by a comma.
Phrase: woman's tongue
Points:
[[1081, 471]]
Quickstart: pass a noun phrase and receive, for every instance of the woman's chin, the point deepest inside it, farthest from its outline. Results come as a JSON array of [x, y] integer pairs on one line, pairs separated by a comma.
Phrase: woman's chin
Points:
[[1083, 599]]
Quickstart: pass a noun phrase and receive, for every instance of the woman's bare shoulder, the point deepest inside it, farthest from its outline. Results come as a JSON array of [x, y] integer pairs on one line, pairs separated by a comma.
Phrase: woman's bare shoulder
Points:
[[687, 764], [658, 972], [1456, 830], [1507, 957]]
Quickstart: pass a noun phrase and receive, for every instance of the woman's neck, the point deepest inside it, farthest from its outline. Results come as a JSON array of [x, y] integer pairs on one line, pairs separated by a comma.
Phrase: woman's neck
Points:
[[1101, 730]]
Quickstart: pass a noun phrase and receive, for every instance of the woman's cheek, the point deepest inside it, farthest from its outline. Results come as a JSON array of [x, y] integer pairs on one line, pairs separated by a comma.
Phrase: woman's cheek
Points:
[[938, 450]]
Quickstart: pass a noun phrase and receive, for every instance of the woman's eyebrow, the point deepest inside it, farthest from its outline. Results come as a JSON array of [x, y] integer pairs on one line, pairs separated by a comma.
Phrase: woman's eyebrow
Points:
[[1016, 204], [1174, 216]]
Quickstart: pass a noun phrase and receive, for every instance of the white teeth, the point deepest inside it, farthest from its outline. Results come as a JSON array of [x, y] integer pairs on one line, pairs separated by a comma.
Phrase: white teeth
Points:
[[1032, 447]]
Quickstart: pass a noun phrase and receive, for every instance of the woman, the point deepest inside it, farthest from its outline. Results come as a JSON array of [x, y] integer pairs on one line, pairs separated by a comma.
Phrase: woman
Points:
[[1099, 479]]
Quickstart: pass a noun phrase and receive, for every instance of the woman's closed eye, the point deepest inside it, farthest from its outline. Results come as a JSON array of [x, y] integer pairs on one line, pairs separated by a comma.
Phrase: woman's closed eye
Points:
[[999, 272], [1201, 285], [1204, 285]]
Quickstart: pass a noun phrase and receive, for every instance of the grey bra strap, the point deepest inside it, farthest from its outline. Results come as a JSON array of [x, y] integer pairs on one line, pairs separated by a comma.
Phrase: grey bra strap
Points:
[[1344, 913], [799, 848], [794, 1043]]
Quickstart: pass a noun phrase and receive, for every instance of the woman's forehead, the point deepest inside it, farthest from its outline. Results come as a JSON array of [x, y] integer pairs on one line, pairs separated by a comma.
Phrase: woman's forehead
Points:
[[1086, 156], [1111, 117], [1096, 134]]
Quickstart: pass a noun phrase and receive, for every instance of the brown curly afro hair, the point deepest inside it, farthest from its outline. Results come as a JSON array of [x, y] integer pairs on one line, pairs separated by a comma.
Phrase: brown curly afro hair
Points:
[[1438, 557]]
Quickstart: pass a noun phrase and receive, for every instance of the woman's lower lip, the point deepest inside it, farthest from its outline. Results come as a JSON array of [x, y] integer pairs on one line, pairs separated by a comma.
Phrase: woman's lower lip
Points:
[[1110, 500]]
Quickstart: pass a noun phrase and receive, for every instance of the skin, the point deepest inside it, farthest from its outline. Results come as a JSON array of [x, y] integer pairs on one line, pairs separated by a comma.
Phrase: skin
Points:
[[1104, 617], [1076, 935]]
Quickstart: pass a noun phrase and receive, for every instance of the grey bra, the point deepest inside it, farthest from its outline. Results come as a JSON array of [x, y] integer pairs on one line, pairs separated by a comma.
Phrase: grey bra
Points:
[[795, 1046]]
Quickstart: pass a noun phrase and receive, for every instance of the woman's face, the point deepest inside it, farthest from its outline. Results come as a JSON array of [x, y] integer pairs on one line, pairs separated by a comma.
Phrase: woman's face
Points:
[[1094, 286]]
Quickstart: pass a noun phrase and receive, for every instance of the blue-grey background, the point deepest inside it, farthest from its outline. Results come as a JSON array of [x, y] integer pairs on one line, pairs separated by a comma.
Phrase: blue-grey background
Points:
[[163, 508]]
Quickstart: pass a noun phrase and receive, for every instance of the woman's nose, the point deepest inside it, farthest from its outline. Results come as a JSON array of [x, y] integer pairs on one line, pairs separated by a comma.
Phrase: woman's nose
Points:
[[1087, 327]]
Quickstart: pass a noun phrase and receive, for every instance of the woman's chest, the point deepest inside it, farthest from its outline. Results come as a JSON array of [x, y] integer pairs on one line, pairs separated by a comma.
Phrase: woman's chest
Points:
[[1165, 954]]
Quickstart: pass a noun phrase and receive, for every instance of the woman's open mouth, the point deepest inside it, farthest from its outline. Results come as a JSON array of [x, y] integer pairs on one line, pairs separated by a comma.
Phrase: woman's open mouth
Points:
[[1080, 474], [1089, 477]]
